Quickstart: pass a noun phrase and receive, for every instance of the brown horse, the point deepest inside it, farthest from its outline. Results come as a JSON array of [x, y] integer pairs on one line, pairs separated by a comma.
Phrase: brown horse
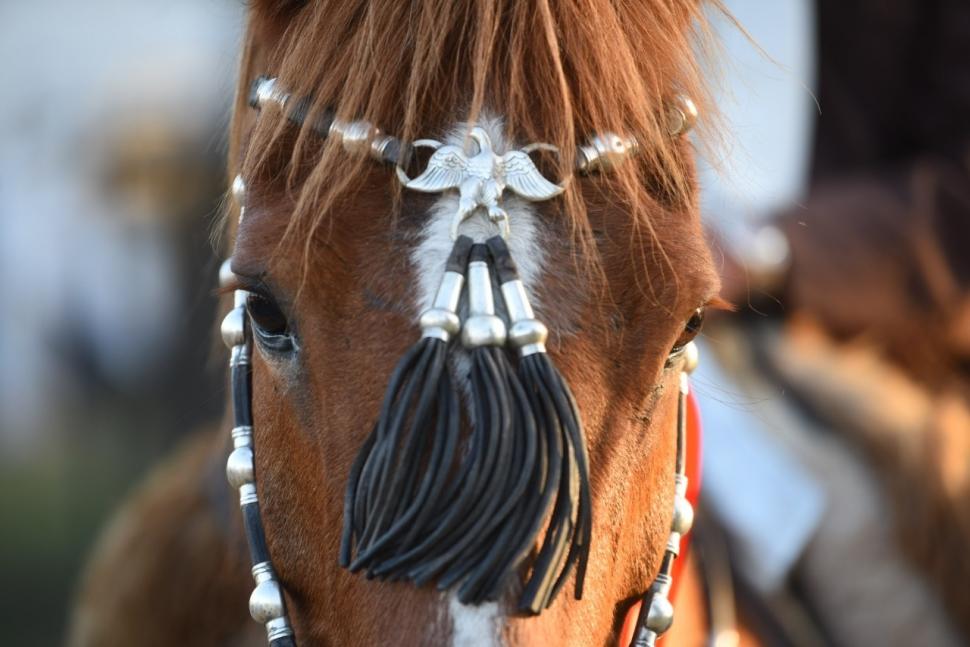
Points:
[[339, 262]]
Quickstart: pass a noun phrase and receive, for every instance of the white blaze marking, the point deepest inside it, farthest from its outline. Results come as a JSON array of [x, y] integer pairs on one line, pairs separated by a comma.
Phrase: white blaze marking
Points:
[[476, 626], [430, 255]]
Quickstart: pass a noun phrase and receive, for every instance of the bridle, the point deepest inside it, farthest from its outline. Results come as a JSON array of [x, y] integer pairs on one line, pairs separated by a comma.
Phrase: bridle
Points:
[[483, 333]]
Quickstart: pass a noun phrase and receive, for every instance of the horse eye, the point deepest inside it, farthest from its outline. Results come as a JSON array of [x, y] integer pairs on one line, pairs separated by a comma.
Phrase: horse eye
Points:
[[270, 326], [691, 330]]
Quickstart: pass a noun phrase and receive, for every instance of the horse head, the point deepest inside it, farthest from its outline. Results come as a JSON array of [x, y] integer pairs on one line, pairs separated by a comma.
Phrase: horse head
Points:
[[338, 261]]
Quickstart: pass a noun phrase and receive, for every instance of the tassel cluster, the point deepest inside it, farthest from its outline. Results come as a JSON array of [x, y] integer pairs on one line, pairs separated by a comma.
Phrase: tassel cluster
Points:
[[426, 502]]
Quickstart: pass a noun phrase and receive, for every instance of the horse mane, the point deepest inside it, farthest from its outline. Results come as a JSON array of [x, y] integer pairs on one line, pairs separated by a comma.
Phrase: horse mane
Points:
[[556, 71]]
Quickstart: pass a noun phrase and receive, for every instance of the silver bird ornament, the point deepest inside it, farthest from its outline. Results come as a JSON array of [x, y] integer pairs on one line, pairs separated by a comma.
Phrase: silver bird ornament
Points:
[[481, 178]]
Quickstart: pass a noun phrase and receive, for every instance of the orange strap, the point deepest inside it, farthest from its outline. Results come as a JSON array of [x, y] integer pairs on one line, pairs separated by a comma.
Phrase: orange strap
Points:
[[694, 452]]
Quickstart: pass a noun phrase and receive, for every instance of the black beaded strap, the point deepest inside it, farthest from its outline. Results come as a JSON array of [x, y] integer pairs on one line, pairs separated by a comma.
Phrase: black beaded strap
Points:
[[266, 603]]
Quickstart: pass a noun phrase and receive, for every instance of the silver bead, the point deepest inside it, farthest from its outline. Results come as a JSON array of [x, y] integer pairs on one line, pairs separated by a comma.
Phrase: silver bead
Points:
[[483, 330], [605, 151], [239, 190], [234, 328], [240, 468], [660, 615], [267, 93], [681, 115], [266, 601], [683, 516], [226, 276], [442, 319], [692, 356], [528, 331], [355, 136]]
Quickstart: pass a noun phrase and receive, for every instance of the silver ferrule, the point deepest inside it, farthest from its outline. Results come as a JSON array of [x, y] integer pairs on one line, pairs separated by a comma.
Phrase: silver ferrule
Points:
[[480, 301], [240, 355], [278, 628], [441, 319], [526, 333], [242, 436], [263, 571], [680, 485], [239, 298], [661, 584], [673, 544], [379, 145], [482, 327], [517, 301], [449, 292], [684, 385], [247, 494]]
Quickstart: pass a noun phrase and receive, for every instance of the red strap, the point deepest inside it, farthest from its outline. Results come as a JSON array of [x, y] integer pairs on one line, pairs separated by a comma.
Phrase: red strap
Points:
[[694, 453]]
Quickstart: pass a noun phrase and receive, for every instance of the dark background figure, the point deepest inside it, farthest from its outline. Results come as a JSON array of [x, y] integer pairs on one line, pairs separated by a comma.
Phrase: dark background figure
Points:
[[875, 293]]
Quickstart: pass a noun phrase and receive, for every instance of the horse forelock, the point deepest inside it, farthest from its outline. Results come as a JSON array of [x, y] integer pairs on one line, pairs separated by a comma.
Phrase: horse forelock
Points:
[[557, 72]]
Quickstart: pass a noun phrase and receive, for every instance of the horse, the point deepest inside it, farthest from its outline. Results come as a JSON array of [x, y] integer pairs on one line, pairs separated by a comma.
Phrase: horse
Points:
[[334, 257]]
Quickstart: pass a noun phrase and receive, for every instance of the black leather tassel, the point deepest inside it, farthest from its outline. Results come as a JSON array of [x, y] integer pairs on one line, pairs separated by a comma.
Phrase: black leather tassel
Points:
[[401, 472], [478, 531], [567, 539]]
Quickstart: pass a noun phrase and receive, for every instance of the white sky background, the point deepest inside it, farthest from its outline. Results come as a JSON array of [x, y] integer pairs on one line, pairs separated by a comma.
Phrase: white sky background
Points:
[[768, 111]]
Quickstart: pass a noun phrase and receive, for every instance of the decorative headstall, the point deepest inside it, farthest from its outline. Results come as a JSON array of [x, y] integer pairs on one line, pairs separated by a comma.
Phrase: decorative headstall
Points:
[[425, 502]]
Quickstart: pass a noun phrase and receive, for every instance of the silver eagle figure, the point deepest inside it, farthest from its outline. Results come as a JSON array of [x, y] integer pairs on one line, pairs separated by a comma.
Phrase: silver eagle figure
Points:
[[482, 178]]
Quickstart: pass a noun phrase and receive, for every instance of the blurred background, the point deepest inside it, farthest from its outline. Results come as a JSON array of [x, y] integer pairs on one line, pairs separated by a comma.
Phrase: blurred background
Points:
[[837, 458], [113, 123]]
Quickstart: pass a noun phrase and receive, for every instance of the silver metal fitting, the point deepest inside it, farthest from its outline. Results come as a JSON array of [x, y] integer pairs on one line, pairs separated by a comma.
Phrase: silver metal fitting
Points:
[[683, 516], [266, 600], [247, 494], [234, 328], [527, 333], [355, 136], [660, 615], [240, 355], [242, 436], [268, 93], [482, 328], [529, 336], [239, 190], [604, 151], [278, 628], [241, 467], [226, 275], [681, 115], [441, 320], [692, 356], [379, 145]]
